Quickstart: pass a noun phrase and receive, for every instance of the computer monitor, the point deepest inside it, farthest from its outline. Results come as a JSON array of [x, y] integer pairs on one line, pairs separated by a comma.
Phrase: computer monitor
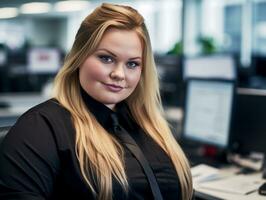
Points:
[[249, 121], [171, 83], [211, 66], [43, 60], [207, 113], [3, 57]]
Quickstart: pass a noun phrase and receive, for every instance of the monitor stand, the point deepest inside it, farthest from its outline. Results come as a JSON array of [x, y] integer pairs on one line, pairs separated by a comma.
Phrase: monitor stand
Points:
[[204, 154]]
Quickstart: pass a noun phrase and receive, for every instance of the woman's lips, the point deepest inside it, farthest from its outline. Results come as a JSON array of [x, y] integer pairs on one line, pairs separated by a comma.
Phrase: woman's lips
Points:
[[113, 88]]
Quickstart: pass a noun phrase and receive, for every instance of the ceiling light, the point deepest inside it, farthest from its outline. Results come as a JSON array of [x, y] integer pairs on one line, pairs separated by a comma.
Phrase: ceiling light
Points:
[[71, 6], [8, 12], [35, 8]]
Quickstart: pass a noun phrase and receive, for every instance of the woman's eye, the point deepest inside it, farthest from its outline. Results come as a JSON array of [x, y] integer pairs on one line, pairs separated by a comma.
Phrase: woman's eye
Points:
[[132, 65], [106, 59]]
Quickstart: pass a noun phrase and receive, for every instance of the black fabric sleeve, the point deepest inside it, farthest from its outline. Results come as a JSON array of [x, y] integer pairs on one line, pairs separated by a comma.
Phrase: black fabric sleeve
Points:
[[29, 159]]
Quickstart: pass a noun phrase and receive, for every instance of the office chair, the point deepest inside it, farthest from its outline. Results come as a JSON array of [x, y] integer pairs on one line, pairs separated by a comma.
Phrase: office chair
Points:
[[3, 132]]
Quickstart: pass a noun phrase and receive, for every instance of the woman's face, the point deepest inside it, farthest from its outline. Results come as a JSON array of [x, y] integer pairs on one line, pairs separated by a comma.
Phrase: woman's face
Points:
[[113, 71]]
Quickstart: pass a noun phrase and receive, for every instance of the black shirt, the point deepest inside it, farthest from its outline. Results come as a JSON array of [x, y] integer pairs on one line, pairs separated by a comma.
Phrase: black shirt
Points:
[[38, 161]]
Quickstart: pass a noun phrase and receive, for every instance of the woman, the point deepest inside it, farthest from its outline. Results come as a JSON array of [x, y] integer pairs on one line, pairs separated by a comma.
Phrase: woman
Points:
[[68, 148]]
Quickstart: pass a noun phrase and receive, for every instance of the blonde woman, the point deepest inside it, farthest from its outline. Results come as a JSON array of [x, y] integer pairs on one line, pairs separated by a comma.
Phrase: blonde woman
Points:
[[75, 145]]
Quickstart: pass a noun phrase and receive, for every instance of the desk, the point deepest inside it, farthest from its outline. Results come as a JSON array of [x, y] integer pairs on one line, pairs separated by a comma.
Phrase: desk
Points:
[[17, 104], [209, 194]]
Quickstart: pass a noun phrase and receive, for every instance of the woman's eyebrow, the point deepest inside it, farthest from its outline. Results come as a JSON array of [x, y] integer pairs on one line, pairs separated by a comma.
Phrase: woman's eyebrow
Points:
[[113, 54], [134, 58], [108, 51]]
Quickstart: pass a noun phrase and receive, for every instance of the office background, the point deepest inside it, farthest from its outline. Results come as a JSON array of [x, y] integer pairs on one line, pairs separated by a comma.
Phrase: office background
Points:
[[179, 28], [213, 47], [35, 37]]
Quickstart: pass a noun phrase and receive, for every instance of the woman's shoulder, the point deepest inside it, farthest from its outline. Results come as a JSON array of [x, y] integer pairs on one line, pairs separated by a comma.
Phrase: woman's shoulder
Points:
[[51, 106], [50, 109], [49, 112], [48, 119]]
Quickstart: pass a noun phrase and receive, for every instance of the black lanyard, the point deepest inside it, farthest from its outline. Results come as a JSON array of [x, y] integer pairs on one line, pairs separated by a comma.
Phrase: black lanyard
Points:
[[136, 151]]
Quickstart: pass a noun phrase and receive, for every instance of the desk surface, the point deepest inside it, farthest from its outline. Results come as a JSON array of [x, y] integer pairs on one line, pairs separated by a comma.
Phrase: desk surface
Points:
[[17, 104], [210, 194]]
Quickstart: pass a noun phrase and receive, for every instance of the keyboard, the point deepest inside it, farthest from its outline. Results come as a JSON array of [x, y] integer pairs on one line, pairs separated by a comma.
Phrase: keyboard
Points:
[[239, 184]]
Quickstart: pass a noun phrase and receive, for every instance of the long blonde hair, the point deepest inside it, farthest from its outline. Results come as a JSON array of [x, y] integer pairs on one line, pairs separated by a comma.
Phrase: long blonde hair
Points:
[[99, 154]]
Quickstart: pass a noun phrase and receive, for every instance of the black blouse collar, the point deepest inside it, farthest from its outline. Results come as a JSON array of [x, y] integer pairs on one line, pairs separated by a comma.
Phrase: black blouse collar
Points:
[[103, 114]]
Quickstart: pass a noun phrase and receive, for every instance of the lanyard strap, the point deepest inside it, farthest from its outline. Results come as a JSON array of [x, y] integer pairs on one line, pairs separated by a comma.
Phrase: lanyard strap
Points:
[[136, 151]]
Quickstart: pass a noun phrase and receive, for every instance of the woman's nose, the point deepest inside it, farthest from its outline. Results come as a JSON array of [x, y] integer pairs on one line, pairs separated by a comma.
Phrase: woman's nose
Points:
[[118, 72]]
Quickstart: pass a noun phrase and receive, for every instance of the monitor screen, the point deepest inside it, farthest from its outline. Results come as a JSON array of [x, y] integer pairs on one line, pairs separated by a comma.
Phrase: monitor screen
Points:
[[214, 66], [208, 111], [249, 121], [3, 57], [43, 60]]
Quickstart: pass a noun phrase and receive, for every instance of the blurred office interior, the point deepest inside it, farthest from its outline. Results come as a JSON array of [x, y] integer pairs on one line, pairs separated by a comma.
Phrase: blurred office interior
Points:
[[210, 55], [35, 37]]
